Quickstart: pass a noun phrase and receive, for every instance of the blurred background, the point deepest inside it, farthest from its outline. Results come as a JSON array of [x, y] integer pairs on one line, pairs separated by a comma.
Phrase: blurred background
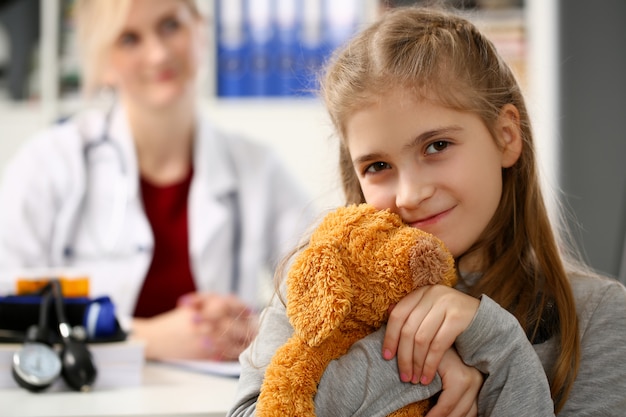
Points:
[[569, 56]]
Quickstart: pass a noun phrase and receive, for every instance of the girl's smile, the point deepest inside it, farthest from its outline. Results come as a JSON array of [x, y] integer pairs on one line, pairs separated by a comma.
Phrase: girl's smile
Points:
[[429, 220]]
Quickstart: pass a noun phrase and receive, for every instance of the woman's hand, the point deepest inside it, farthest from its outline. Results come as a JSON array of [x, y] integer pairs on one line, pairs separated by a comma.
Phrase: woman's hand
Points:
[[461, 385], [226, 323], [171, 335], [423, 326], [202, 326]]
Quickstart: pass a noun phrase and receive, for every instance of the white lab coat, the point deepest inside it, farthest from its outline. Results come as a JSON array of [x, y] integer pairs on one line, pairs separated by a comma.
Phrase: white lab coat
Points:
[[241, 197]]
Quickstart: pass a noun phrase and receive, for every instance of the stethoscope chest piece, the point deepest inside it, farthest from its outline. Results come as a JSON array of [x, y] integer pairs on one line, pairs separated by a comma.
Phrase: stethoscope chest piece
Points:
[[36, 366]]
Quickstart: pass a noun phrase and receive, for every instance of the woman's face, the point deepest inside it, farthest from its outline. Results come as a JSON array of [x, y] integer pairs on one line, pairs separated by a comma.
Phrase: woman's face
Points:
[[438, 168], [154, 60]]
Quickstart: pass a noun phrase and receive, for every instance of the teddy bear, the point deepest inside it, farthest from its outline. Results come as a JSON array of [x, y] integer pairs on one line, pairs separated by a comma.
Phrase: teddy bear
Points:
[[358, 262]]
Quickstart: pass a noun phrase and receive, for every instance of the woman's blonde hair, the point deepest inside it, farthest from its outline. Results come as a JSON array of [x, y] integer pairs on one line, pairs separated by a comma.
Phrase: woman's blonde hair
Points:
[[437, 55], [99, 23]]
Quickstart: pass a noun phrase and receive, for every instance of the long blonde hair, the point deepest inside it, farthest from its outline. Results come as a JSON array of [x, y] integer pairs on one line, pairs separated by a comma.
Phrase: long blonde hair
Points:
[[438, 55], [98, 24]]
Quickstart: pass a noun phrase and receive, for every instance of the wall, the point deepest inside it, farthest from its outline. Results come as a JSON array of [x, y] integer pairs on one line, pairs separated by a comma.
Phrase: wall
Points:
[[17, 122], [592, 63], [299, 130]]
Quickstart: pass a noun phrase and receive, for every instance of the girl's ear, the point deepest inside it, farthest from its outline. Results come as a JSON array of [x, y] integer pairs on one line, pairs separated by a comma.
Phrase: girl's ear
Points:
[[509, 135]]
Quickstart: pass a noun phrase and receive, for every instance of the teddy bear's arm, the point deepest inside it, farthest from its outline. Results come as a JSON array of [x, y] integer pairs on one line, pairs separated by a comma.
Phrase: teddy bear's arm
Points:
[[290, 381]]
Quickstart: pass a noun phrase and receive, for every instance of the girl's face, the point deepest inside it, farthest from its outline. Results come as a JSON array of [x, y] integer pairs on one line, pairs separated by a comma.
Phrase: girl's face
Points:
[[154, 60], [438, 168]]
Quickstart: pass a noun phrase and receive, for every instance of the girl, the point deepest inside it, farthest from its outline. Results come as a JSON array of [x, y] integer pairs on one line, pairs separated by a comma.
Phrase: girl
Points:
[[433, 126], [171, 218]]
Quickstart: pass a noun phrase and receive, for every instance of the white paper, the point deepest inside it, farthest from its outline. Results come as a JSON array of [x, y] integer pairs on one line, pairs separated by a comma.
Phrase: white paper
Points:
[[229, 368]]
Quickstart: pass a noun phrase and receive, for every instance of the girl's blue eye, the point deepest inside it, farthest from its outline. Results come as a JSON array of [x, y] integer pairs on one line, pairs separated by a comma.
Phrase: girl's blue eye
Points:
[[377, 166], [437, 146]]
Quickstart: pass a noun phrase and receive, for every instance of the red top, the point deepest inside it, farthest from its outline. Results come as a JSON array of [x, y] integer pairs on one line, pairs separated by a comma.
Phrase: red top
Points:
[[169, 275]]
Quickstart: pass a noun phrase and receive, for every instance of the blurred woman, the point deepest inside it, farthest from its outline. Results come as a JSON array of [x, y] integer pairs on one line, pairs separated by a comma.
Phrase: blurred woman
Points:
[[172, 219]]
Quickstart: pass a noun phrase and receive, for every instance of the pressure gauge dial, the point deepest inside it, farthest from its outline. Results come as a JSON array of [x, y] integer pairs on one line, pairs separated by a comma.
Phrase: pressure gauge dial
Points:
[[36, 366]]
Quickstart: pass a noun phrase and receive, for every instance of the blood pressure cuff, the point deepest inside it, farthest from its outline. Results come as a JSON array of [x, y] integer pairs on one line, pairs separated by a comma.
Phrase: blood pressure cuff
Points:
[[97, 316]]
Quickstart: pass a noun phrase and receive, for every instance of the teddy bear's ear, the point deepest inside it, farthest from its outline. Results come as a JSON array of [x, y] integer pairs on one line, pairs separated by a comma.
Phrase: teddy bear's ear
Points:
[[319, 293]]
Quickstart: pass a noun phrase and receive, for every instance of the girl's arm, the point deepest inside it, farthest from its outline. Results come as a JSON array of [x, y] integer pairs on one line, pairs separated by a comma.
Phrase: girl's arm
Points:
[[515, 383], [600, 387], [359, 383]]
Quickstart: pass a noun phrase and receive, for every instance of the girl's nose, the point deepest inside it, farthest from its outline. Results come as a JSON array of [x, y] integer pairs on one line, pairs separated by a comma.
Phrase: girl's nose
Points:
[[413, 190]]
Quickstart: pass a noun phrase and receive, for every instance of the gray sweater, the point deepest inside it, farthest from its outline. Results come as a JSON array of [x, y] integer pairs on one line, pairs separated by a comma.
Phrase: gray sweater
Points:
[[362, 383]]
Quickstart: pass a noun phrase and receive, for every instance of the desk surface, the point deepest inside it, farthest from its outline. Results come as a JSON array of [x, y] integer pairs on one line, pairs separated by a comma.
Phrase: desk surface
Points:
[[166, 391]]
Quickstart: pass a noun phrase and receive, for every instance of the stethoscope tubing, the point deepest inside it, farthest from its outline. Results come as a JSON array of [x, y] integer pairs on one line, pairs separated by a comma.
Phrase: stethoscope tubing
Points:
[[106, 244]]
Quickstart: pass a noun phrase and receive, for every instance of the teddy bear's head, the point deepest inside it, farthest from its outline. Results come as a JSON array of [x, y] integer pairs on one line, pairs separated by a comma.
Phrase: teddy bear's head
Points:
[[359, 261]]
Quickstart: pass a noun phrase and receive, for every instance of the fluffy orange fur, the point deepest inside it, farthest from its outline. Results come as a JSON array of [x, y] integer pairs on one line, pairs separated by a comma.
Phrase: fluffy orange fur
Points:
[[359, 261]]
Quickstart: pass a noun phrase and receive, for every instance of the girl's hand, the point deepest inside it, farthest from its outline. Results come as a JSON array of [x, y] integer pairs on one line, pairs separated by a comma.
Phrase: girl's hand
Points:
[[423, 326], [461, 385], [225, 322]]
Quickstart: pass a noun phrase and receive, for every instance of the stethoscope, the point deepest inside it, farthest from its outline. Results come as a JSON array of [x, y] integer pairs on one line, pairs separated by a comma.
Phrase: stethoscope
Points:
[[105, 242]]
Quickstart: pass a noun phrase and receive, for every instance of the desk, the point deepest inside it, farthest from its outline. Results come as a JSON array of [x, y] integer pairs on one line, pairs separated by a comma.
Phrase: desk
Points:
[[166, 391]]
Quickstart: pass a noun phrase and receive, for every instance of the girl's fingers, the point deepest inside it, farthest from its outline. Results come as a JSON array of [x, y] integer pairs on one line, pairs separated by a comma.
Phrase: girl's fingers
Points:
[[451, 314], [429, 346], [450, 405], [411, 348], [397, 318], [461, 385], [422, 326], [440, 328], [416, 335], [473, 412]]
